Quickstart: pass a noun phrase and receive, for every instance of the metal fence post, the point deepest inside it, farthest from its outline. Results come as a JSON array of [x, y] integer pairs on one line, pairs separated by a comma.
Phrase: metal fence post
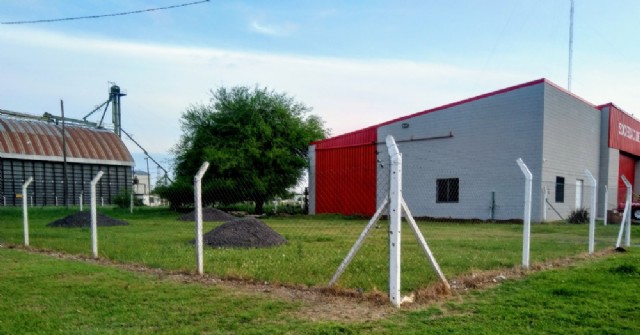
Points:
[[626, 214], [25, 214], [197, 185], [526, 236], [94, 216], [592, 218]]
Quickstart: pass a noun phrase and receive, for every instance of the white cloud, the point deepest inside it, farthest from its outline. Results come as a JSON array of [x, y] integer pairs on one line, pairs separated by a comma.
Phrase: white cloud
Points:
[[284, 29], [162, 81]]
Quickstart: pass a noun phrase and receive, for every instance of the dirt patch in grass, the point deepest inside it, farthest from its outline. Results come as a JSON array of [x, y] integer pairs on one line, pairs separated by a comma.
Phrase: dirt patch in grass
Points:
[[243, 233], [208, 214], [83, 219]]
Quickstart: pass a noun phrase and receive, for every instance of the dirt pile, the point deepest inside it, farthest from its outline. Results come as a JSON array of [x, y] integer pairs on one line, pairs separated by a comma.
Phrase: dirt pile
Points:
[[83, 219], [243, 233], [208, 214]]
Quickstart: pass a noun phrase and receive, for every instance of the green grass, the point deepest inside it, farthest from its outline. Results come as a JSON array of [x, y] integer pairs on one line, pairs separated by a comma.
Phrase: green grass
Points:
[[316, 246], [45, 295]]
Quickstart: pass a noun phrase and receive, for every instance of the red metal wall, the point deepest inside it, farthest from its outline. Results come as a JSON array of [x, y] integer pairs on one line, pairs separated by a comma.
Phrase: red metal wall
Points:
[[628, 169], [346, 173]]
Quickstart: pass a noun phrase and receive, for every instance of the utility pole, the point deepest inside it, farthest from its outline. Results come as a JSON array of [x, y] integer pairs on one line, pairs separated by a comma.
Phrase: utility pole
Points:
[[570, 45], [65, 179]]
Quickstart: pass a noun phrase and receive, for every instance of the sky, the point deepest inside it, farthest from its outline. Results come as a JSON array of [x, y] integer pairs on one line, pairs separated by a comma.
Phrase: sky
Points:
[[356, 63]]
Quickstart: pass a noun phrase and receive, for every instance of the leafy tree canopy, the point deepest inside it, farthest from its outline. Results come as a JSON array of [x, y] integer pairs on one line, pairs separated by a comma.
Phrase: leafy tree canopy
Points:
[[255, 140]]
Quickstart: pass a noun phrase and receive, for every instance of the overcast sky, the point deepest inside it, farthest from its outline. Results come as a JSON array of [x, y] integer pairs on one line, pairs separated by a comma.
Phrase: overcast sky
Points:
[[356, 63]]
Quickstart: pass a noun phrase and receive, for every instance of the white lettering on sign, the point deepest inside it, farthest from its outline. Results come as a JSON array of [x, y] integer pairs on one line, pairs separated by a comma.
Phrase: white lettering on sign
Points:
[[628, 132]]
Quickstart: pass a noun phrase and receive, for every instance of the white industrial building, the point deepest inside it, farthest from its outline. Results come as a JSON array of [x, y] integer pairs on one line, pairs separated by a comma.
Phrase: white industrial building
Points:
[[459, 160]]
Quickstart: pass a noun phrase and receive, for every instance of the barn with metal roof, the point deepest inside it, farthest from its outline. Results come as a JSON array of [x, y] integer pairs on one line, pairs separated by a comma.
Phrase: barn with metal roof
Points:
[[62, 166]]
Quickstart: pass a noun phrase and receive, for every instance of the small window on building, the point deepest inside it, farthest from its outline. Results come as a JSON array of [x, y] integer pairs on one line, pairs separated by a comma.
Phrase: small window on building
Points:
[[447, 190], [560, 189]]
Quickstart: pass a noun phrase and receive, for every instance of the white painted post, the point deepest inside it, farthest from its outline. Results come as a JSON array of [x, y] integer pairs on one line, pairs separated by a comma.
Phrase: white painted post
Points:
[[56, 201], [81, 201], [395, 218], [25, 214], [592, 217], [606, 201], [131, 201], [626, 214], [197, 185], [526, 236], [94, 215]]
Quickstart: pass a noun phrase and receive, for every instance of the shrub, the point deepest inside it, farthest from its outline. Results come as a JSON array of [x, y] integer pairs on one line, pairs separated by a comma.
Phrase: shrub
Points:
[[580, 215], [123, 199]]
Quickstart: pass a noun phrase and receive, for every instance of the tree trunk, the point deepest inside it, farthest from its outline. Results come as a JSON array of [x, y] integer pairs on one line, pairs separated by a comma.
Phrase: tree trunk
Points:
[[259, 206]]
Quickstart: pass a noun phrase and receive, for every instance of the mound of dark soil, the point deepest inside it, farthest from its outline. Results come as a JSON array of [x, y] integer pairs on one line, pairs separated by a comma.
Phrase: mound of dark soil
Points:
[[83, 219], [243, 233], [208, 214]]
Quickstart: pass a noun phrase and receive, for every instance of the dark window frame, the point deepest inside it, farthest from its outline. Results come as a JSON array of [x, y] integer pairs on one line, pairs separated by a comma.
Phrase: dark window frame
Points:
[[448, 190], [560, 183]]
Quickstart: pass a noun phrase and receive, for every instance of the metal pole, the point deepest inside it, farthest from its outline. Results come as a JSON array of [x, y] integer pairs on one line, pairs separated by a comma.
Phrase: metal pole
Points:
[[94, 216], [148, 175], [25, 215], [570, 46], [65, 179], [592, 218], [526, 236], [197, 185], [395, 218], [606, 201]]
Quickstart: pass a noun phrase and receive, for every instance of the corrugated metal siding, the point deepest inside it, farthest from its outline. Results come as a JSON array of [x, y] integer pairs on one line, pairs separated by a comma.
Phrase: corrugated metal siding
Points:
[[35, 140], [361, 137], [345, 178]]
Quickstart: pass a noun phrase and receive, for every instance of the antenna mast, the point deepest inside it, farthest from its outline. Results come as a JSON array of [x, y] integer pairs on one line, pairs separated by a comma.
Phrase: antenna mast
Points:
[[570, 46]]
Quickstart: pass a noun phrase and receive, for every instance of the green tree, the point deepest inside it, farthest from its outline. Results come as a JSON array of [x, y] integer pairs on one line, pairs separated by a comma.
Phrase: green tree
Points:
[[255, 140]]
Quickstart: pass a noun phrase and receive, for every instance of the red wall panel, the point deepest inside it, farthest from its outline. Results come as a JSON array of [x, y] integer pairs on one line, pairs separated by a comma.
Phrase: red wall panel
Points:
[[346, 173], [628, 169], [346, 180]]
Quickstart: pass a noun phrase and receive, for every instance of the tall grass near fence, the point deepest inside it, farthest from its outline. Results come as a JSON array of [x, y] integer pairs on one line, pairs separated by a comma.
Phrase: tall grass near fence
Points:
[[316, 246]]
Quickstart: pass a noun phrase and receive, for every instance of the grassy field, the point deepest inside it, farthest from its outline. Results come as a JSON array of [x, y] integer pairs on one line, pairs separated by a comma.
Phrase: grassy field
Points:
[[41, 294], [317, 245]]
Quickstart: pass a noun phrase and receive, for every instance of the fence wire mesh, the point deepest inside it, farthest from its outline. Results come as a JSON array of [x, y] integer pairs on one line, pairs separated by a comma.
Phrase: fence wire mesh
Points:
[[471, 223]]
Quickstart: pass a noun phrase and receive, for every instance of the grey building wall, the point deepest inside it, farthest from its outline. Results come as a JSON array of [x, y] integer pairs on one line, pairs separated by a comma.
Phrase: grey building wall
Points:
[[488, 135], [572, 143]]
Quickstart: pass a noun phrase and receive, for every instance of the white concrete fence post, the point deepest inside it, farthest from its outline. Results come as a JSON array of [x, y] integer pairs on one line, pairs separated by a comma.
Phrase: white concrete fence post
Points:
[[626, 215], [592, 217], [395, 218], [526, 235], [25, 212], [197, 186], [94, 215]]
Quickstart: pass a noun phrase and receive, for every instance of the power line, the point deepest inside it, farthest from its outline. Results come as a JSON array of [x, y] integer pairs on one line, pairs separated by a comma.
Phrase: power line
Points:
[[105, 15]]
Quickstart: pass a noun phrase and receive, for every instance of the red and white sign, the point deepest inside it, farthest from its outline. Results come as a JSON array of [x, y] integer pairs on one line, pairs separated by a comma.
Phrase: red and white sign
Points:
[[624, 131]]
